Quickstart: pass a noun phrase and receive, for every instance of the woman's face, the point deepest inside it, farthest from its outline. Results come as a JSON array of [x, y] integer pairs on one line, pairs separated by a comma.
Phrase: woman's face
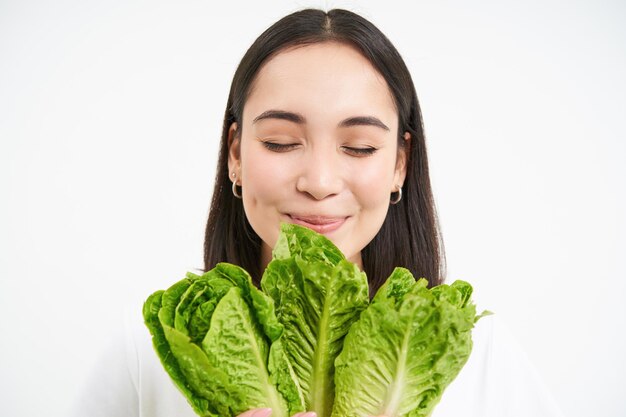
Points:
[[318, 147]]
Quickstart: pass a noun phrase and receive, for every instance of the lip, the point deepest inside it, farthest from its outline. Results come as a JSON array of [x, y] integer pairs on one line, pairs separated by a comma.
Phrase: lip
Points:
[[320, 224]]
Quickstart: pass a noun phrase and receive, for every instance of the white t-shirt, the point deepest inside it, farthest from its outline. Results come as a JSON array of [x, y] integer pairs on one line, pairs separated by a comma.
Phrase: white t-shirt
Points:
[[497, 381]]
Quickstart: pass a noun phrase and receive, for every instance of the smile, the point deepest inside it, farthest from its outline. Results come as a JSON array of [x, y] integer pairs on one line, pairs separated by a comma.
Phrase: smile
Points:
[[320, 224]]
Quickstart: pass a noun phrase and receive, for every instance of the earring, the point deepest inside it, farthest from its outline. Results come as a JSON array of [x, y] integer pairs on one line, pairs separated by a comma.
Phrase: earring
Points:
[[399, 196], [235, 193]]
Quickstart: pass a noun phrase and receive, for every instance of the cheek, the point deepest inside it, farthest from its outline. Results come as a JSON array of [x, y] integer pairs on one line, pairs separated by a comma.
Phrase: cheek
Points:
[[265, 180], [256, 175], [373, 184], [263, 183]]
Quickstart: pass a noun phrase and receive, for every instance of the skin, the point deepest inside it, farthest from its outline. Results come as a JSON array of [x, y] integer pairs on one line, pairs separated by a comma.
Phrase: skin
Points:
[[334, 164], [315, 169]]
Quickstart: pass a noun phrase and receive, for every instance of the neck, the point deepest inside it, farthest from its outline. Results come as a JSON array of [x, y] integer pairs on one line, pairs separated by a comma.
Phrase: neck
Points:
[[266, 255], [356, 259]]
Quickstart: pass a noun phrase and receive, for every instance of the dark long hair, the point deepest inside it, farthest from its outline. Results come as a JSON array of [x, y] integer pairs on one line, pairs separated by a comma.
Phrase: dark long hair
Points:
[[409, 236]]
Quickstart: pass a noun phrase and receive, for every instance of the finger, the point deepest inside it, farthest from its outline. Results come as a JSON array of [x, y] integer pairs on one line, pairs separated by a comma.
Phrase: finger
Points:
[[247, 413], [305, 414], [257, 412], [262, 412]]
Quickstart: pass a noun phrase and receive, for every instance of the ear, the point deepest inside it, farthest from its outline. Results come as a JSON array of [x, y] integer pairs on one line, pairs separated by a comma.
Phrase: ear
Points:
[[234, 151], [401, 162]]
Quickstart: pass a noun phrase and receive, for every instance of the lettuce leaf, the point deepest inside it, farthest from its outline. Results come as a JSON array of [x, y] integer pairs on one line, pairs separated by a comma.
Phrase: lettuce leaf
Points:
[[310, 339], [318, 295], [213, 334], [406, 348]]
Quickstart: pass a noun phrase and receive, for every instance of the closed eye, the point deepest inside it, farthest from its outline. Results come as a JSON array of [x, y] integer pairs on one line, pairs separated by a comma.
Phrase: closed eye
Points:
[[359, 151], [279, 147]]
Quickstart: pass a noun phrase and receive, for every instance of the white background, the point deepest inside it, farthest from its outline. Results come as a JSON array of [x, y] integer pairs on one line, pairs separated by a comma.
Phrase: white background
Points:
[[110, 117]]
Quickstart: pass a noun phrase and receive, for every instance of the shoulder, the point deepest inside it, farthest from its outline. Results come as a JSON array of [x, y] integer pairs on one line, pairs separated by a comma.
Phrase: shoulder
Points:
[[158, 396], [128, 379], [497, 380]]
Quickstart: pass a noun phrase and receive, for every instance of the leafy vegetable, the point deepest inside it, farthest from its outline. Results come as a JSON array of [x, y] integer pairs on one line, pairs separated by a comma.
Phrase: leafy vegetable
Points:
[[318, 295], [408, 345], [213, 334], [310, 340]]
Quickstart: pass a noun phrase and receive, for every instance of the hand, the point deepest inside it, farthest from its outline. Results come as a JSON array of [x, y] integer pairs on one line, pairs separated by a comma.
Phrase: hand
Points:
[[266, 412], [257, 412]]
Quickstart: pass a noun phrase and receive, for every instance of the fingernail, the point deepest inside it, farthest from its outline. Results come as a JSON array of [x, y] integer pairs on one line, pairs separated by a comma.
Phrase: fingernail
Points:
[[310, 414]]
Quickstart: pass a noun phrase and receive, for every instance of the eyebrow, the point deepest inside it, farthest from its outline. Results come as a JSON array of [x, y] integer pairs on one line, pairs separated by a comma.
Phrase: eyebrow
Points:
[[300, 119]]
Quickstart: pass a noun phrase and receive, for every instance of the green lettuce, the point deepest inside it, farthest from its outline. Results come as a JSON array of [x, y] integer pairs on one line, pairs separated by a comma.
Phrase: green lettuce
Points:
[[310, 339], [214, 334], [318, 295], [406, 348]]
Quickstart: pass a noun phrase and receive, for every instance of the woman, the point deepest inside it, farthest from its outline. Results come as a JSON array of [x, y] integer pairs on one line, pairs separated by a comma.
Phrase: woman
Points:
[[323, 129], [322, 104]]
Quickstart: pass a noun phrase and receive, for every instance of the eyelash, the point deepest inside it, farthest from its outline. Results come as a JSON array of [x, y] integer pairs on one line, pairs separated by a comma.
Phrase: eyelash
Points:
[[282, 147], [279, 147], [360, 151]]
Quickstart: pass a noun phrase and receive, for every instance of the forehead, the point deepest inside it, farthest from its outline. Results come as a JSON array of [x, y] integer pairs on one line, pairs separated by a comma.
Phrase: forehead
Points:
[[330, 77]]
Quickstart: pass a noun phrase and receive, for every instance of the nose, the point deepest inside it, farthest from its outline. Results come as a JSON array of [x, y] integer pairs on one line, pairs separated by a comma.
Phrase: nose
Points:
[[321, 175]]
